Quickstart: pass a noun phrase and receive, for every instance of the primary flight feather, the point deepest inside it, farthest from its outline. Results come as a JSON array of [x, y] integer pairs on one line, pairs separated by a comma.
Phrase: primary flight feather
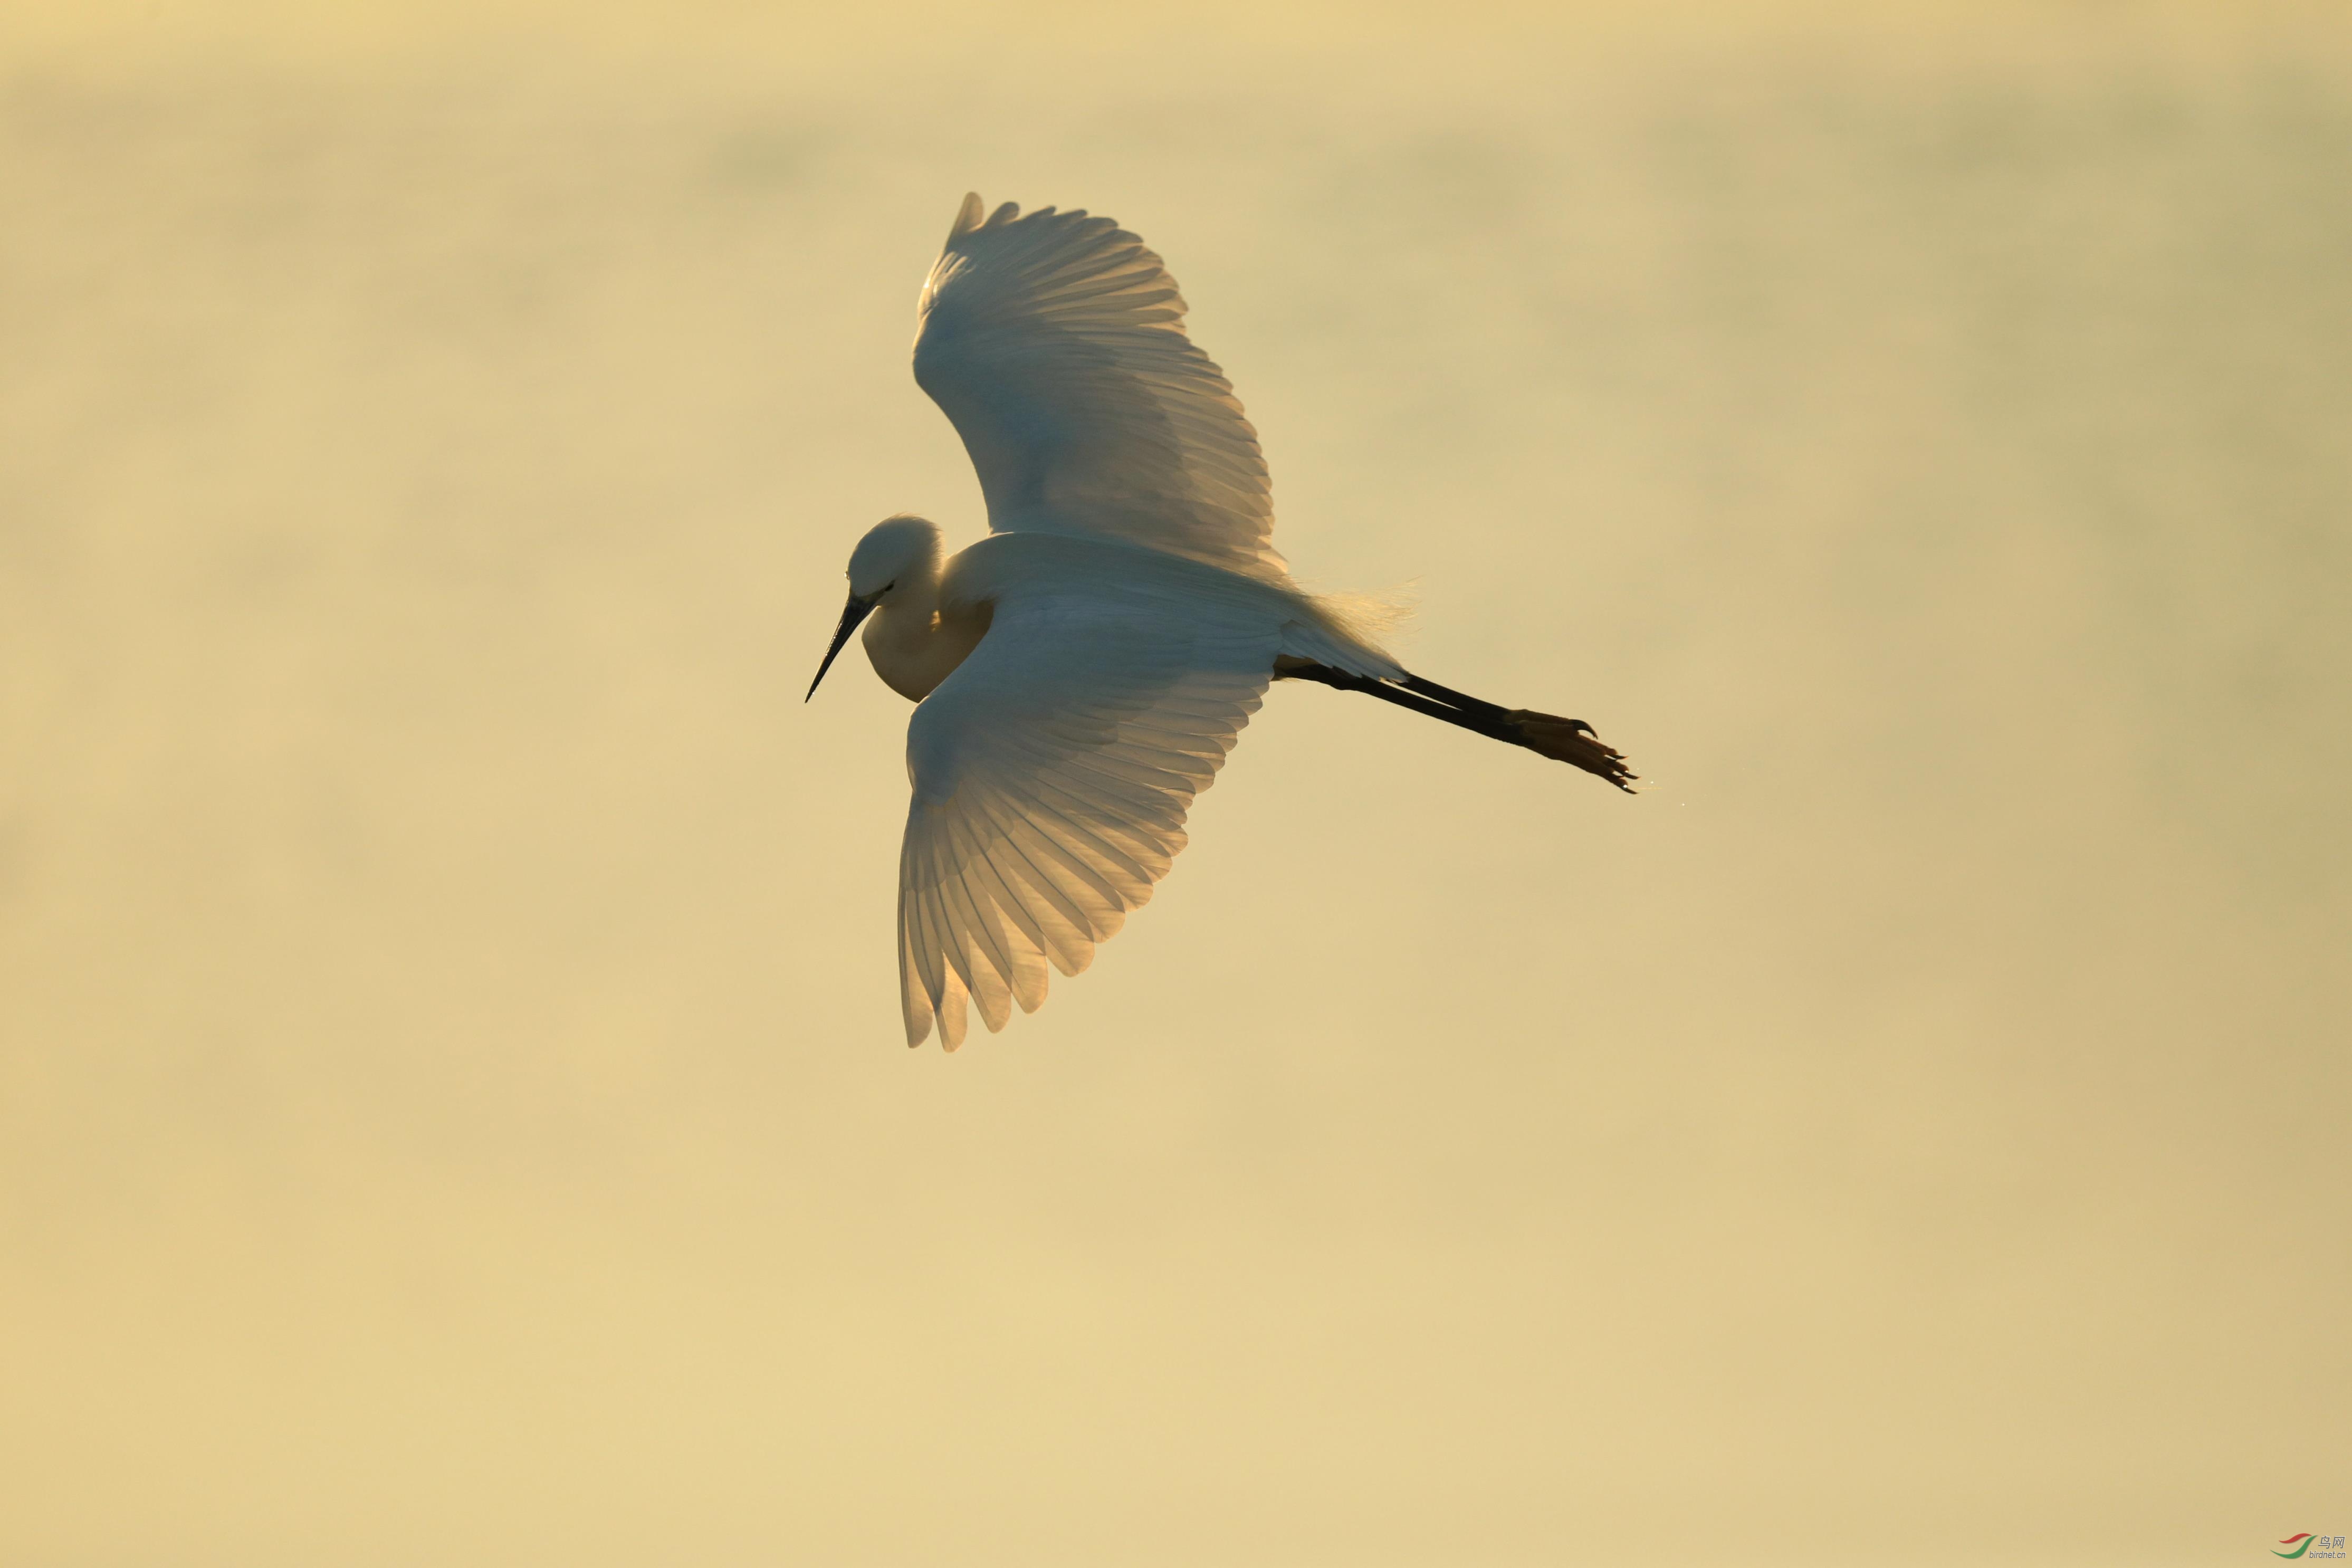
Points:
[[1080, 674]]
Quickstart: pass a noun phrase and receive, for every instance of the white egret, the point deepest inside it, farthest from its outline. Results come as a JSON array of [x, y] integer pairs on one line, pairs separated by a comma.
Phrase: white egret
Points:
[[1080, 674]]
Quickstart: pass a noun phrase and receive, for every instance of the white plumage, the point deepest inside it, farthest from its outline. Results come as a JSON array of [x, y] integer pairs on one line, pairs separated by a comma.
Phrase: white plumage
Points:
[[1081, 674], [1056, 343]]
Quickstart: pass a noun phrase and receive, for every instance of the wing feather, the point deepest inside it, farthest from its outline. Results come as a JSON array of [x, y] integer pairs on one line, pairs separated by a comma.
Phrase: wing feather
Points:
[[1026, 946], [1068, 884], [988, 967], [1056, 344]]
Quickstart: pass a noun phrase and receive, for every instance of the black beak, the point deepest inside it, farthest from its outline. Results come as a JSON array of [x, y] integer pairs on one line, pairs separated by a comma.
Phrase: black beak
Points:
[[857, 611]]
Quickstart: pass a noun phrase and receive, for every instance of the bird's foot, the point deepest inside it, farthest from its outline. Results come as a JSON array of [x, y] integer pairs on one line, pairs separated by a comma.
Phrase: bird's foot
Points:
[[1570, 740]]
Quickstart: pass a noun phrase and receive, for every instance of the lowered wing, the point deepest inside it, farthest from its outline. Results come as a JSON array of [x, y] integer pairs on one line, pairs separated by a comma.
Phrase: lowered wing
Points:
[[1052, 774]]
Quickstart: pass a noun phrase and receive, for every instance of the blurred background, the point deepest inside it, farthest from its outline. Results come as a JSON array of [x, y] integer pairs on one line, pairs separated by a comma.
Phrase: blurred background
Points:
[[452, 1104]]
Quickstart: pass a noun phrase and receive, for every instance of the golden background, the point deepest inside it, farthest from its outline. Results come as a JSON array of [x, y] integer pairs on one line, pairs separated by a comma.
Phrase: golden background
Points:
[[451, 1103]]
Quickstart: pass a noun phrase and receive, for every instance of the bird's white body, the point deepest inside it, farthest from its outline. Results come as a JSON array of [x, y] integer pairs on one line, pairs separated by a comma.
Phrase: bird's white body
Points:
[[923, 630], [1073, 695], [1080, 674]]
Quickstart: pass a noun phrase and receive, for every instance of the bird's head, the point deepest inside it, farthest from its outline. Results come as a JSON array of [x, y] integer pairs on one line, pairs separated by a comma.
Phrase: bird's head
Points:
[[896, 554], [895, 550]]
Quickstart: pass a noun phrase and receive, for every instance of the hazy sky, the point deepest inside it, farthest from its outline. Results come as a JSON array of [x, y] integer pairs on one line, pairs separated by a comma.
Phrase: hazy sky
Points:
[[452, 1108]]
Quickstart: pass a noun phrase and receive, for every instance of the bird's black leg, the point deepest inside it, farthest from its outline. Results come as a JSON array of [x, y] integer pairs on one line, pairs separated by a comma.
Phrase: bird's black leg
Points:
[[1570, 740]]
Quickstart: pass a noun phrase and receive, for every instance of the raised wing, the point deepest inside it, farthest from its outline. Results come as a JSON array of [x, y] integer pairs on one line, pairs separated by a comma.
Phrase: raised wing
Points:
[[1052, 774], [1055, 343]]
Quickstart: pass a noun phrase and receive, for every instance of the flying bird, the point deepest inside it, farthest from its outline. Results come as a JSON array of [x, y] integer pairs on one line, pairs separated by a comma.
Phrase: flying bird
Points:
[[1080, 674]]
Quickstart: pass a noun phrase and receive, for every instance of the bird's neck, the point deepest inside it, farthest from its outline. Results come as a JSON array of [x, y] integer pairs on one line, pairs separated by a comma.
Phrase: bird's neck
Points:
[[912, 644]]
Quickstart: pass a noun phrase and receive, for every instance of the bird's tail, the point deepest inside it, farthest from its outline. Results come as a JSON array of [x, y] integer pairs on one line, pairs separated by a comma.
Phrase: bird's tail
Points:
[[1347, 631], [1371, 618]]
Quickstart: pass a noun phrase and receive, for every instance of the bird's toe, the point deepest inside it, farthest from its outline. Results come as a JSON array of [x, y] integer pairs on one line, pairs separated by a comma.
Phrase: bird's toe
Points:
[[1572, 741]]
